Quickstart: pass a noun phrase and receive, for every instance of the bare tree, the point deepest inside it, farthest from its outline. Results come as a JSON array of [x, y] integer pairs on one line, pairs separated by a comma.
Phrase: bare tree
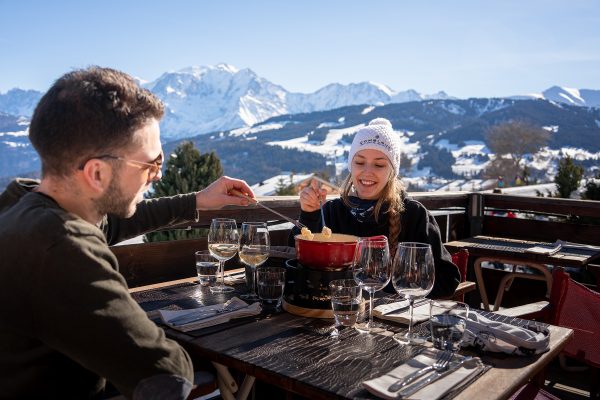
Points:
[[510, 142]]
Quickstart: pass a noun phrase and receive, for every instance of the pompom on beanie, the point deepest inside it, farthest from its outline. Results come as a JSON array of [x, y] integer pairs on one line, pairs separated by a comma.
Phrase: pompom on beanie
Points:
[[378, 135]]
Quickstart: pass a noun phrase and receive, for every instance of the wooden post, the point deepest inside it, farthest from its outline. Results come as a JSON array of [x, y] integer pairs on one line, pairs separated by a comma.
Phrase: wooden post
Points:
[[475, 214]]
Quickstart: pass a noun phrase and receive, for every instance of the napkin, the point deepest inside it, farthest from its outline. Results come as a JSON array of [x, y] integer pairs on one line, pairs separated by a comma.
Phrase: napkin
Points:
[[548, 249], [218, 318], [399, 311], [454, 381], [488, 335]]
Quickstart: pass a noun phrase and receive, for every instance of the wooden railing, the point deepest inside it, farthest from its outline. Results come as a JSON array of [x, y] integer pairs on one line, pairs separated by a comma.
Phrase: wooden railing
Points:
[[459, 214]]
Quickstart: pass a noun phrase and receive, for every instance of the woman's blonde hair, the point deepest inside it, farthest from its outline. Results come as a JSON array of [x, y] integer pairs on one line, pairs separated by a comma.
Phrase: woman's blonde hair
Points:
[[392, 194]]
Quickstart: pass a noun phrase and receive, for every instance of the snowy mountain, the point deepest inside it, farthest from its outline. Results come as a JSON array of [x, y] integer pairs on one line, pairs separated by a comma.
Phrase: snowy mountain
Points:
[[218, 98], [19, 102], [571, 96]]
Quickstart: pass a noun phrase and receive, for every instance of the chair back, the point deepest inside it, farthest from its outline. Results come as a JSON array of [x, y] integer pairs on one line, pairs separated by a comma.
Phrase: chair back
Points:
[[575, 306], [461, 260]]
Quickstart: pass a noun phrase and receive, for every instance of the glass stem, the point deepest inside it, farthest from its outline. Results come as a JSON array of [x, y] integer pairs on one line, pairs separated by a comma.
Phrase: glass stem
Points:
[[411, 302], [370, 323], [222, 268], [253, 277]]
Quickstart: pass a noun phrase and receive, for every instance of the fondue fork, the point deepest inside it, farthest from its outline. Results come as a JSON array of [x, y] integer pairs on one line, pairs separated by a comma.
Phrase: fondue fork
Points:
[[236, 192]]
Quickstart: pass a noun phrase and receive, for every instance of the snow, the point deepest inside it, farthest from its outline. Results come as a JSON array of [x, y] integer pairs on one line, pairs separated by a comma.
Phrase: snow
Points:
[[331, 144], [15, 144], [367, 110], [269, 186], [15, 134], [575, 94]]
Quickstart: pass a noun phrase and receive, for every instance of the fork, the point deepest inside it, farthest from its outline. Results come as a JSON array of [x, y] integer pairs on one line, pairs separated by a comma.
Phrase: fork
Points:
[[237, 193], [441, 364]]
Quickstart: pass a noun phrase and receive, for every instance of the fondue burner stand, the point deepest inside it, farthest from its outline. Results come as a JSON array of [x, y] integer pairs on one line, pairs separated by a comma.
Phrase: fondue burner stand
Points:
[[307, 290]]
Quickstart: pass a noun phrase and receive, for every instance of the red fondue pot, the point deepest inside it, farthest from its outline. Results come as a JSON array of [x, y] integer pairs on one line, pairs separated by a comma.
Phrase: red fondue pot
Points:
[[332, 253]]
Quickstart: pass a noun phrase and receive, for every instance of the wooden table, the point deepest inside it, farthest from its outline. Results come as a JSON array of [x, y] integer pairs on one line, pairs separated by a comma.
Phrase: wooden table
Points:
[[513, 252], [298, 354]]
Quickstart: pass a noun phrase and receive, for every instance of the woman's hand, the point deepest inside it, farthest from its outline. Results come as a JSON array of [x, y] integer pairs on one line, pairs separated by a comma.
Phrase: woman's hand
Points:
[[309, 197]]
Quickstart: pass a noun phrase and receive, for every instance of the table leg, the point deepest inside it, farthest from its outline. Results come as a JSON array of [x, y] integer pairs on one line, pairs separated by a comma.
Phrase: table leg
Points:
[[226, 378], [480, 283], [245, 388], [506, 280]]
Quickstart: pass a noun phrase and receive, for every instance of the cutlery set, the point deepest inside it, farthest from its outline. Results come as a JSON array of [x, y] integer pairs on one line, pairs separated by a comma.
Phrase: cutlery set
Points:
[[412, 384]]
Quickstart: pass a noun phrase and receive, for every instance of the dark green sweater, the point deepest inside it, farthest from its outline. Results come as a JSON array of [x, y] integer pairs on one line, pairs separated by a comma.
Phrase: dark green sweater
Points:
[[67, 320]]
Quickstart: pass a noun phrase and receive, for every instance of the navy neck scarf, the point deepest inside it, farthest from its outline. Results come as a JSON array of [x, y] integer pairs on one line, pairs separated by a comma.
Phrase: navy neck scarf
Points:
[[362, 210]]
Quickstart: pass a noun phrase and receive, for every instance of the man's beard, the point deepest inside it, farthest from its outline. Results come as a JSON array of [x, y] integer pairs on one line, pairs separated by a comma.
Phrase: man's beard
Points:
[[114, 201]]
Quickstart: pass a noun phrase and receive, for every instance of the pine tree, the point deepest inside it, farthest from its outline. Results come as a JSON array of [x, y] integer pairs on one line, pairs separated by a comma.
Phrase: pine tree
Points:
[[567, 178], [186, 171], [283, 189]]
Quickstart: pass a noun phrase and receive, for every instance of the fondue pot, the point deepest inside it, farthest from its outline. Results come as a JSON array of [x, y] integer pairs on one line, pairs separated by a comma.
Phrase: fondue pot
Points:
[[332, 253]]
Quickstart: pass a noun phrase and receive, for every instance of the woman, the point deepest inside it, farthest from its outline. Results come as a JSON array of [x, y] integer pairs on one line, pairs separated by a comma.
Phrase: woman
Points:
[[374, 202]]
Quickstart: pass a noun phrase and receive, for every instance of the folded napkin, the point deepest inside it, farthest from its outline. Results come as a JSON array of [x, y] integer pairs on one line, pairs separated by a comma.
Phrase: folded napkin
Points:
[[454, 381], [495, 336], [548, 249], [399, 311], [203, 317]]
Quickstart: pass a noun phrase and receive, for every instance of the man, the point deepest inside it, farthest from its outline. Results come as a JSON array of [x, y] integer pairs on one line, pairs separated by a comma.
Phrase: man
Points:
[[67, 321]]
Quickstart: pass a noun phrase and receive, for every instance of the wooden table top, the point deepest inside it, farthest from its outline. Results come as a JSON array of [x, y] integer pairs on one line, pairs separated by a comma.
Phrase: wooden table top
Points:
[[490, 247], [299, 355]]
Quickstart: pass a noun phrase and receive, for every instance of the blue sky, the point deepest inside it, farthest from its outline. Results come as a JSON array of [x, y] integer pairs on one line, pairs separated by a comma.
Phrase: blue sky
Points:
[[466, 48]]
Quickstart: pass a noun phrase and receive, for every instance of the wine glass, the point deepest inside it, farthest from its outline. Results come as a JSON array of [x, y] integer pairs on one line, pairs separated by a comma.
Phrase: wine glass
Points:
[[412, 277], [223, 238], [371, 269], [253, 250]]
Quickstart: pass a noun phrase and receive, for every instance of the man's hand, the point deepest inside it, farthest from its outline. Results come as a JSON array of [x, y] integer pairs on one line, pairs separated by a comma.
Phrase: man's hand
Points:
[[217, 195]]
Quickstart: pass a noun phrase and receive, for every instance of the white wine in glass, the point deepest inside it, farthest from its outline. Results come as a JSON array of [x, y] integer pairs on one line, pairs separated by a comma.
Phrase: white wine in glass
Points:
[[371, 270], [223, 238], [253, 251], [413, 277]]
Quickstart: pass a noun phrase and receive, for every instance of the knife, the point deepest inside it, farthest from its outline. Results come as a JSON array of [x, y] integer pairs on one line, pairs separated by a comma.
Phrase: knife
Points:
[[420, 384]]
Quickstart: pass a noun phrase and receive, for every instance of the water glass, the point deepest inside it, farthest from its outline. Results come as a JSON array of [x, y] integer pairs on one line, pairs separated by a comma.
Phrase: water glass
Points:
[[271, 282], [207, 268], [448, 320], [346, 296]]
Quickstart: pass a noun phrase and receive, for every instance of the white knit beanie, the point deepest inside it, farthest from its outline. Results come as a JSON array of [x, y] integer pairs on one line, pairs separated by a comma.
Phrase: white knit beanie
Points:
[[378, 135]]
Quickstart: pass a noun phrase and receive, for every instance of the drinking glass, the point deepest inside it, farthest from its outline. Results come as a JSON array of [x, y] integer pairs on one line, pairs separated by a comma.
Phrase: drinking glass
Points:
[[346, 296], [371, 269], [253, 251], [413, 277], [271, 283], [447, 320], [223, 240], [207, 268]]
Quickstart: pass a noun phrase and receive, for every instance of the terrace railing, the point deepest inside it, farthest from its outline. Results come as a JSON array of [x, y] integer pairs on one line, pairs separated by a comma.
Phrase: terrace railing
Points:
[[459, 214]]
